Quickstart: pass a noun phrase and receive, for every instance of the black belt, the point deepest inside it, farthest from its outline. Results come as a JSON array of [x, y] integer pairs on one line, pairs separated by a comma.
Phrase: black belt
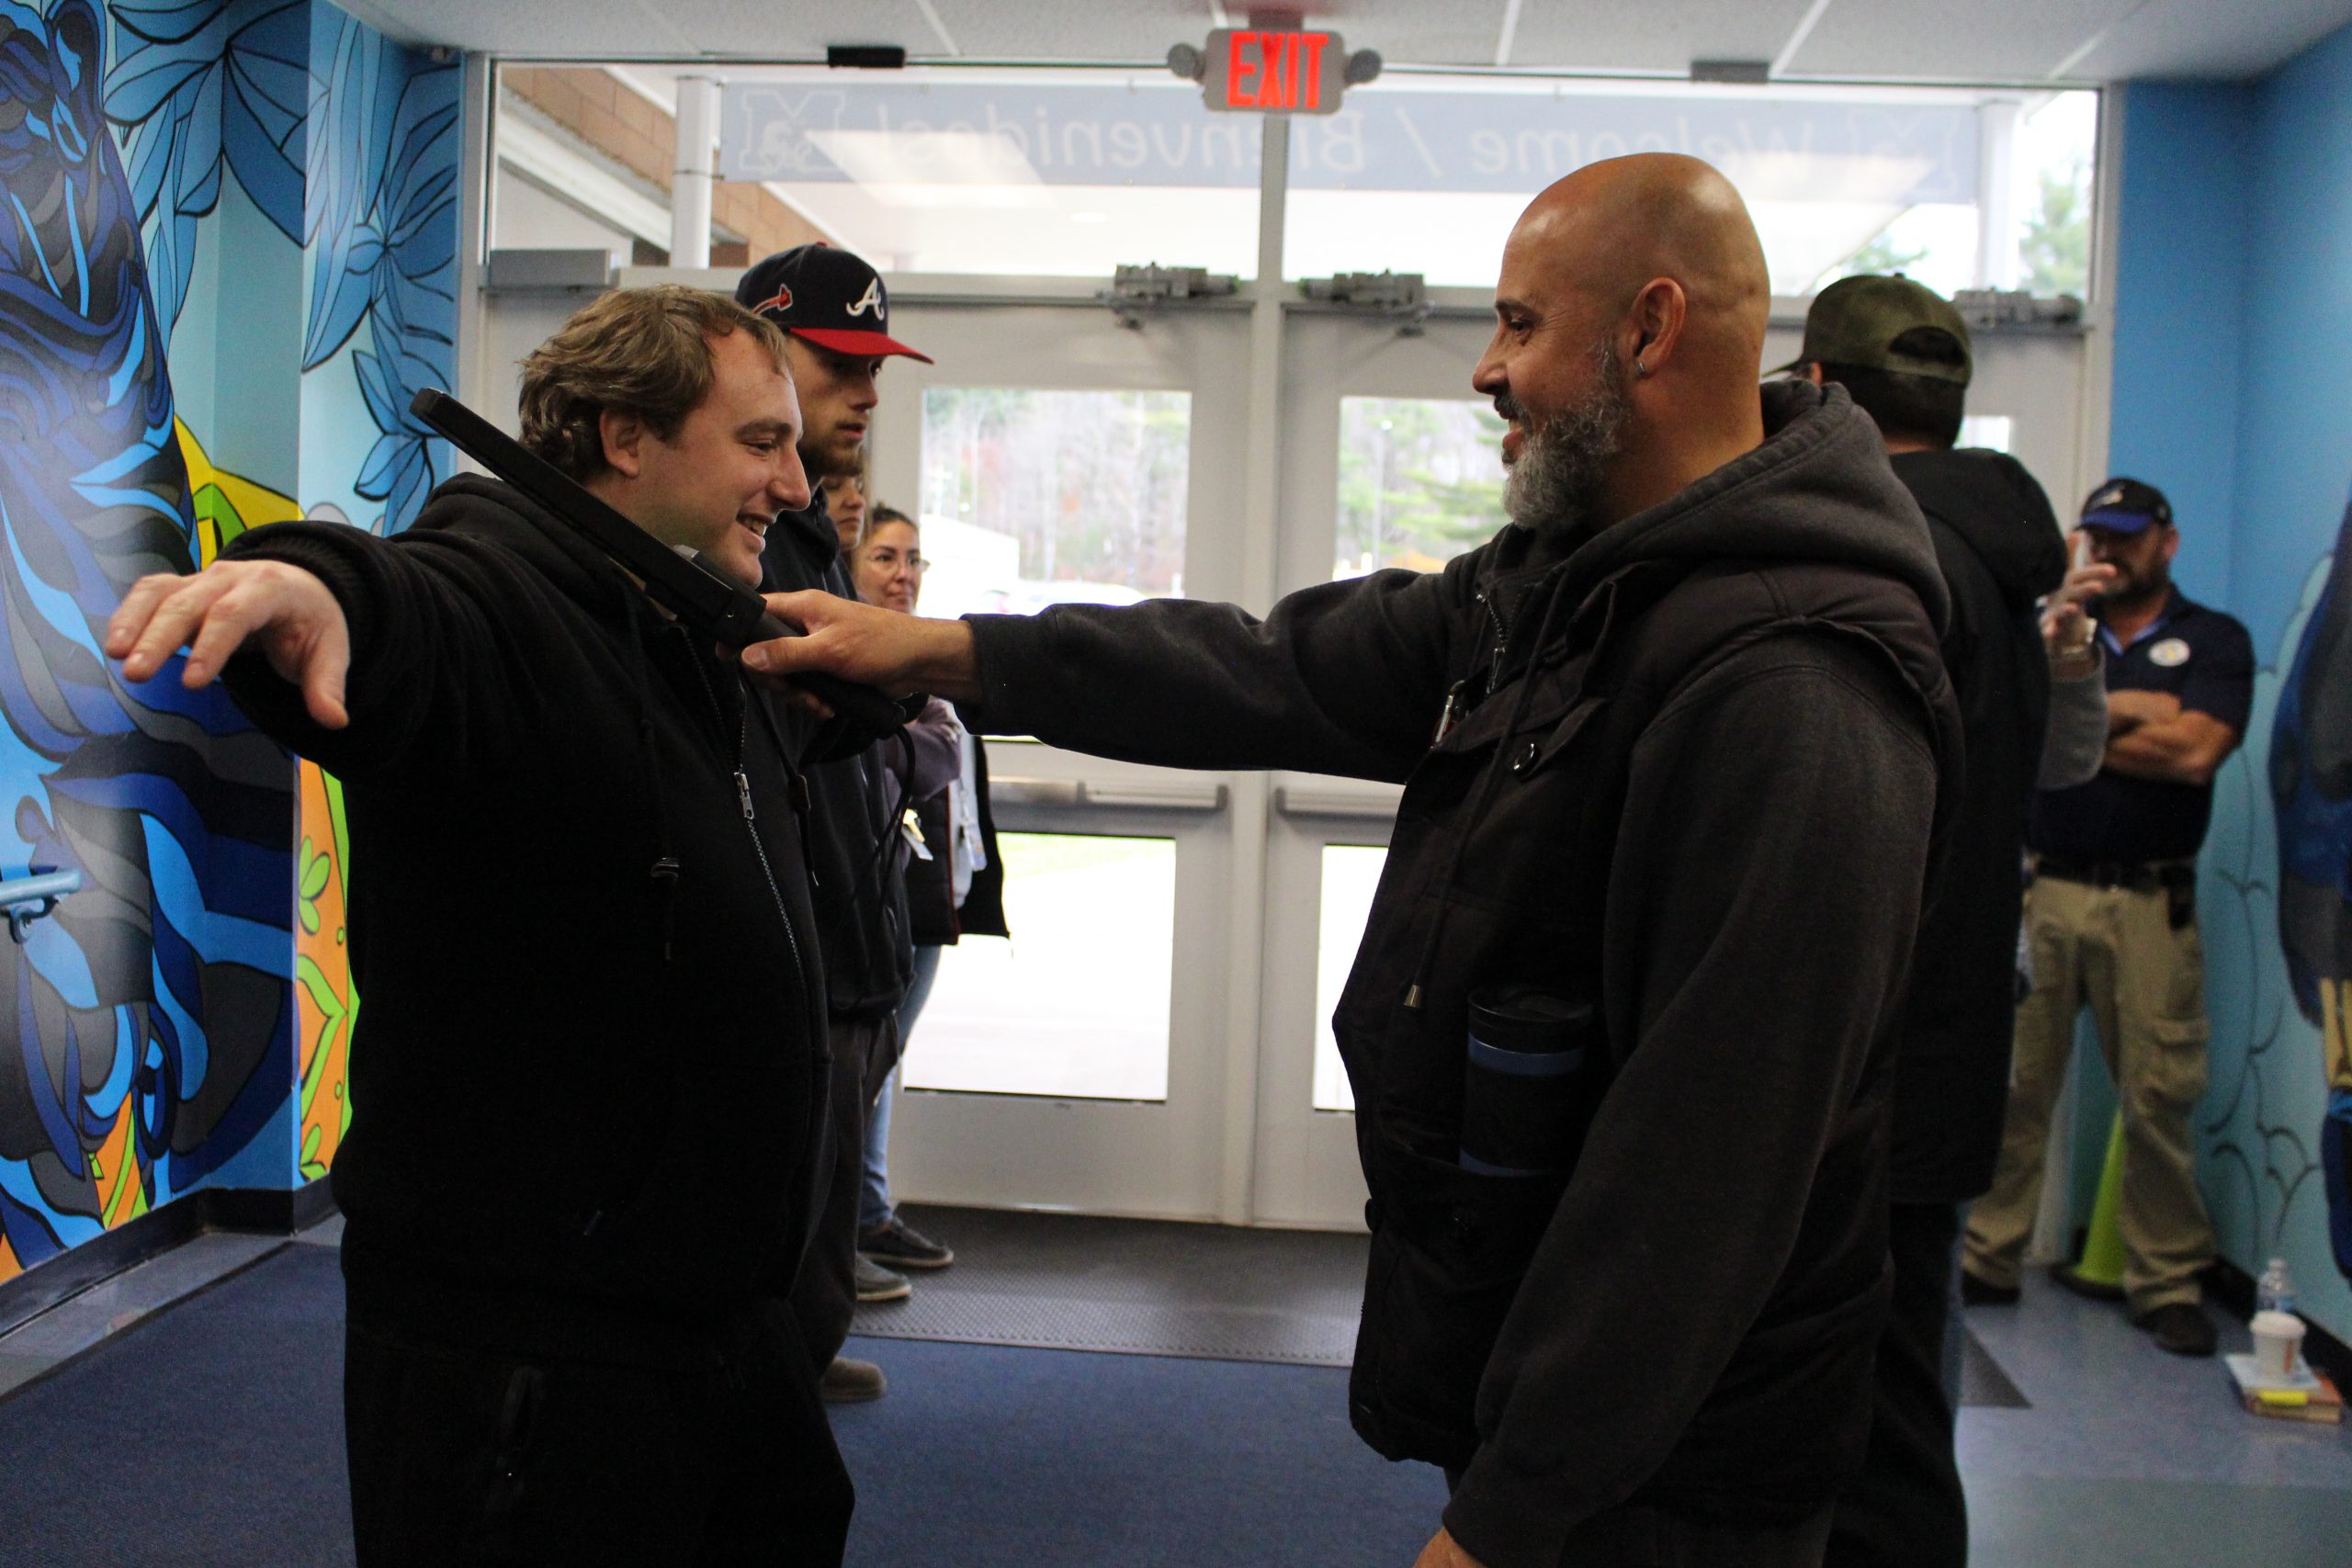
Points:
[[2137, 876]]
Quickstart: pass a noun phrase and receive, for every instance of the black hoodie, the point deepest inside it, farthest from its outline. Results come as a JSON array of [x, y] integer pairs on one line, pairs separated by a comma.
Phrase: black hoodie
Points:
[[1692, 779], [2000, 549], [855, 850], [586, 1094]]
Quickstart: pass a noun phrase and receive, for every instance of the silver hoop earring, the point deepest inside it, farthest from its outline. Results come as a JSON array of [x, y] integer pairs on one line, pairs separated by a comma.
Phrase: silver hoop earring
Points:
[[1640, 369]]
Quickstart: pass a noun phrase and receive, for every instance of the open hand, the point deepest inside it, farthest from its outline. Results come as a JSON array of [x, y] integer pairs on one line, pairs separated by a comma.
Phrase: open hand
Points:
[[287, 614], [885, 648]]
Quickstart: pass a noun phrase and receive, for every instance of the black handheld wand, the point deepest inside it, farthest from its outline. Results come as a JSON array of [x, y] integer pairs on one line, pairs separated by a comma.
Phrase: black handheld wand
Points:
[[713, 605]]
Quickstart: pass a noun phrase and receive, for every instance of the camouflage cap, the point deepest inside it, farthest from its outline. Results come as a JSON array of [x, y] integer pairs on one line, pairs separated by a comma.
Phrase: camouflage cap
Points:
[[1855, 322]]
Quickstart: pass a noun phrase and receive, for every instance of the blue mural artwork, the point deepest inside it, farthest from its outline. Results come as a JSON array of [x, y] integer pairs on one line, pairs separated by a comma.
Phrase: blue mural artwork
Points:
[[349, 144], [2310, 784], [157, 1046], [202, 87], [380, 221], [148, 1008]]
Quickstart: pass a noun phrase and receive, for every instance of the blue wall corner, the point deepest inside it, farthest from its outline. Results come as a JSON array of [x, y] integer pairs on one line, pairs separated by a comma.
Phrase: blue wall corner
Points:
[[2233, 335], [2180, 281]]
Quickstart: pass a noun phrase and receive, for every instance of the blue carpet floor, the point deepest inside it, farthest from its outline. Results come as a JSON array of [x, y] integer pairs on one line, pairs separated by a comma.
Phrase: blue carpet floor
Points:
[[211, 1434], [984, 1456]]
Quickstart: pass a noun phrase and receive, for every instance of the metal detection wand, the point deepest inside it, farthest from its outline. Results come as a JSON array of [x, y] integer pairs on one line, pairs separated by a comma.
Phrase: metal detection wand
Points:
[[714, 607]]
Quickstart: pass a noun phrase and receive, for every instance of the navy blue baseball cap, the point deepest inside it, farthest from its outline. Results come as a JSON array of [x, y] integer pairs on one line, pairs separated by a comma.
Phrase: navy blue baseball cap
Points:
[[2126, 506], [829, 295]]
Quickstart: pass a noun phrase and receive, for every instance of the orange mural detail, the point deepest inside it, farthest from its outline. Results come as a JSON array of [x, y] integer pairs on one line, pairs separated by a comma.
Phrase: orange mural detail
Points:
[[326, 1004]]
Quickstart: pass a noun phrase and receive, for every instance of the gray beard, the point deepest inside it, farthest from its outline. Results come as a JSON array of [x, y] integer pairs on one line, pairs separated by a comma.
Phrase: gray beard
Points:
[[1556, 485]]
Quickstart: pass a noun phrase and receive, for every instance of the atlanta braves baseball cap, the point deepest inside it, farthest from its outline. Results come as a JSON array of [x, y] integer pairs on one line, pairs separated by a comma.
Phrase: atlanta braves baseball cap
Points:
[[2126, 506], [829, 297]]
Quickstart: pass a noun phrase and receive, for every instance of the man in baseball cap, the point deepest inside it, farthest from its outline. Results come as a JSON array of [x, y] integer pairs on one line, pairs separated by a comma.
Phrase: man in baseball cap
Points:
[[2111, 922], [835, 314], [1902, 353]]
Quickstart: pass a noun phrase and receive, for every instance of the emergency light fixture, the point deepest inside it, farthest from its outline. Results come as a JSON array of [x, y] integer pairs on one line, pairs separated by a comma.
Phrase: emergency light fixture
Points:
[[1273, 70]]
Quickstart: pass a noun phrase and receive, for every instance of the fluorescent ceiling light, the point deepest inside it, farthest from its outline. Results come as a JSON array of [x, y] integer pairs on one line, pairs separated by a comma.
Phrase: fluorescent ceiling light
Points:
[[935, 168]]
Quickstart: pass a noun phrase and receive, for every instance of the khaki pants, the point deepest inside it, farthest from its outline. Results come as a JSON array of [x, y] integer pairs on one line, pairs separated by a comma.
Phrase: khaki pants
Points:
[[2119, 951]]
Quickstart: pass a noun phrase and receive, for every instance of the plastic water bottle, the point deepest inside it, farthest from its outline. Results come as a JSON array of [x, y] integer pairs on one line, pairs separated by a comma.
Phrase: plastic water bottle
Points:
[[2275, 1291]]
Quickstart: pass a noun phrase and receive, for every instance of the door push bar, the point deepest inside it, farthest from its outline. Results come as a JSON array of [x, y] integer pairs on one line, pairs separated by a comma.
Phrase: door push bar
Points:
[[1138, 795], [27, 898]]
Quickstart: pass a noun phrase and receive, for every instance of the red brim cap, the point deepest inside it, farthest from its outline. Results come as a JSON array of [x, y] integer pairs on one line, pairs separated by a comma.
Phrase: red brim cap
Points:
[[866, 345]]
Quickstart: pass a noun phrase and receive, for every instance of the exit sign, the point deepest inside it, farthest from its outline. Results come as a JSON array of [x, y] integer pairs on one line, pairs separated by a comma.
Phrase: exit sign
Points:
[[1267, 70]]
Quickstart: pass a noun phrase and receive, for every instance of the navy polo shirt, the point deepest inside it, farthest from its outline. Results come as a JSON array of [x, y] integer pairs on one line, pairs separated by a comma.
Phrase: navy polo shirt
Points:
[[2206, 660]]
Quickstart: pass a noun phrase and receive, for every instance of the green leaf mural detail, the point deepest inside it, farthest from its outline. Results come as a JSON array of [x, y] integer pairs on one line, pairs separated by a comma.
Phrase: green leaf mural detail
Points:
[[334, 1014], [213, 505], [315, 869], [311, 881]]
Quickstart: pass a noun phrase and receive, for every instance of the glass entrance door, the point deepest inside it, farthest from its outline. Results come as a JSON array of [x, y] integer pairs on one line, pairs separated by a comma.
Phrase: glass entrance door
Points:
[[1053, 455]]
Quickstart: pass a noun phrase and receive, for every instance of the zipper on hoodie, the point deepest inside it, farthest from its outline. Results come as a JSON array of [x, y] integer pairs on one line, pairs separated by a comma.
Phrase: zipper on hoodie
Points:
[[1502, 639], [751, 818]]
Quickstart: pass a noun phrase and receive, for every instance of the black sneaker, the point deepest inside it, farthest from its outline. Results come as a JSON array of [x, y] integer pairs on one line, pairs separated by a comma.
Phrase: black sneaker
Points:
[[901, 1245], [1977, 1293], [851, 1381], [2071, 1277], [2180, 1328], [876, 1283]]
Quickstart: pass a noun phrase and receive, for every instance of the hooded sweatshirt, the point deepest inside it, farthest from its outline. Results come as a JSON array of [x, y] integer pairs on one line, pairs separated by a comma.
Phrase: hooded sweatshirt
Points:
[[1998, 545], [1686, 772], [855, 850], [579, 931]]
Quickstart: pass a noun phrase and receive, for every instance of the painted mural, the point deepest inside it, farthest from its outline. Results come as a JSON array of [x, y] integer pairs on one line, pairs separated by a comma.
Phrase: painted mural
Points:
[[186, 1019], [148, 1009], [2278, 932], [2311, 783]]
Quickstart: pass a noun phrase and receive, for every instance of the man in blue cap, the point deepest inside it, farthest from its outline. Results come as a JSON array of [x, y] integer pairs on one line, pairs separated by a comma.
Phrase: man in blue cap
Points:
[[2111, 920]]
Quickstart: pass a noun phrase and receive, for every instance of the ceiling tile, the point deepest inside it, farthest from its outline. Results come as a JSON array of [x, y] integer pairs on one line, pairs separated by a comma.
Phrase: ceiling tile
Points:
[[1641, 35], [2013, 41], [2200, 38], [2019, 41]]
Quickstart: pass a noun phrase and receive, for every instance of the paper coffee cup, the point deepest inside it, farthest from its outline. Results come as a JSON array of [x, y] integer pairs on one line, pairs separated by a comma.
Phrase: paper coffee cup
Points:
[[2277, 1340]]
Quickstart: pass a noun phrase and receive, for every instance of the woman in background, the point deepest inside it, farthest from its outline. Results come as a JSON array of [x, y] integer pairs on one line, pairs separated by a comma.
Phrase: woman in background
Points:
[[954, 883], [845, 504]]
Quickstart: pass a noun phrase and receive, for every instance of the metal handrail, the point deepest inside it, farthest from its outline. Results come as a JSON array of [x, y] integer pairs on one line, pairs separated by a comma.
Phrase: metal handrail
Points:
[[27, 898]]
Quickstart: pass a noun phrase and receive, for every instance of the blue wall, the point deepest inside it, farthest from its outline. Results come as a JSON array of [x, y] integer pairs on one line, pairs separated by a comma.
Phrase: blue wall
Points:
[[2179, 276], [2295, 429], [2233, 392]]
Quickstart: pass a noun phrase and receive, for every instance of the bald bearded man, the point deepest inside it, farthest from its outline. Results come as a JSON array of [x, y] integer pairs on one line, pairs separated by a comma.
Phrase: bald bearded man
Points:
[[1671, 743]]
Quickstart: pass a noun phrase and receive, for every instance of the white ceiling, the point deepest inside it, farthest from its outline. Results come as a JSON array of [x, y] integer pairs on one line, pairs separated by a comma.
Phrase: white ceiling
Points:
[[1950, 40]]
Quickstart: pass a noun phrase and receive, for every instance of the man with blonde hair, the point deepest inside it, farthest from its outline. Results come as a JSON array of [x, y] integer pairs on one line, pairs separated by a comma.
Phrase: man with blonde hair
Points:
[[579, 917]]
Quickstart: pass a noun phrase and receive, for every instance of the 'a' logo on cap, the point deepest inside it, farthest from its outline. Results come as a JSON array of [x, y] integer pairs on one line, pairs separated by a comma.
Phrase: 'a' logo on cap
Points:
[[2112, 496], [779, 300], [870, 300]]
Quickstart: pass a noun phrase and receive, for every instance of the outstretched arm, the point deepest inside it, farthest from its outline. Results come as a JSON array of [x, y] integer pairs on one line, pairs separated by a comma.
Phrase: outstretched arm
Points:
[[1339, 678], [283, 611]]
